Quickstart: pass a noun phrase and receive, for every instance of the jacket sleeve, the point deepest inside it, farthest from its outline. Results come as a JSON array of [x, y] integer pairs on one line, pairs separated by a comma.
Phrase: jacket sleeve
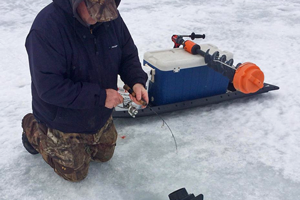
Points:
[[131, 71], [48, 68]]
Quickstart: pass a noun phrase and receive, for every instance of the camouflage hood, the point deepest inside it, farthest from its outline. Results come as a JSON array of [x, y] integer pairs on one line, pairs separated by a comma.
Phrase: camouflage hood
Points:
[[70, 6]]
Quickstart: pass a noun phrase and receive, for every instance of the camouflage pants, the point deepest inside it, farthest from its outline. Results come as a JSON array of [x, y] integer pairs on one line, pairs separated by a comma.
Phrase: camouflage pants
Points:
[[69, 154]]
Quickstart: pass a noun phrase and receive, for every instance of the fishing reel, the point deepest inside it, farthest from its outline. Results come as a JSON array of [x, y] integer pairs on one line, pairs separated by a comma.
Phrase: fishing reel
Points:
[[128, 104], [182, 194], [132, 110]]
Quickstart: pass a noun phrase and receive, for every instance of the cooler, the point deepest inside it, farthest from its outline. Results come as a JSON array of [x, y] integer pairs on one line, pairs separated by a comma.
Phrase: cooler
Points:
[[177, 76]]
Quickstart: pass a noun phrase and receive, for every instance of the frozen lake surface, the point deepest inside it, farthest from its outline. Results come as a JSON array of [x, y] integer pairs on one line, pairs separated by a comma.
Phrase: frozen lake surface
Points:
[[239, 150]]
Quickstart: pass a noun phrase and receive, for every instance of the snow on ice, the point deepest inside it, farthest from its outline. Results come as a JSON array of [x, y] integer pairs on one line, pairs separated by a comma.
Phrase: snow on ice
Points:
[[239, 150]]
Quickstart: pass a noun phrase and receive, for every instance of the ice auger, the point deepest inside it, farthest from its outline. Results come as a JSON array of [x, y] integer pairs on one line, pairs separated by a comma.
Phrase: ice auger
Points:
[[246, 77]]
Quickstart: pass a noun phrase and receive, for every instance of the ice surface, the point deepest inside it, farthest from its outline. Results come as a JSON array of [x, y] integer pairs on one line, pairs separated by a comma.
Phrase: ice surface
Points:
[[239, 150]]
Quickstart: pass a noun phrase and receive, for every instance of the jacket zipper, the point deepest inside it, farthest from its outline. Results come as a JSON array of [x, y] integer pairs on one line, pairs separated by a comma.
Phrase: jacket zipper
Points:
[[95, 41], [96, 52]]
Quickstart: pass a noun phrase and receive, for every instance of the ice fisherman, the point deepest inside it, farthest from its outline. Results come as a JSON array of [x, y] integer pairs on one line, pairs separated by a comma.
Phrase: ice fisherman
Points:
[[76, 49]]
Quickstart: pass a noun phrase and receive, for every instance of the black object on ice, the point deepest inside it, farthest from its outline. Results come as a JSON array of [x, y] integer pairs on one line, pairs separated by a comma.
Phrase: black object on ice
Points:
[[182, 194]]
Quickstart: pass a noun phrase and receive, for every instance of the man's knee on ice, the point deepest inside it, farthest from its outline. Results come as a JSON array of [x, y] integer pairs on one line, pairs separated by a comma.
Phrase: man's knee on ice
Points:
[[71, 174]]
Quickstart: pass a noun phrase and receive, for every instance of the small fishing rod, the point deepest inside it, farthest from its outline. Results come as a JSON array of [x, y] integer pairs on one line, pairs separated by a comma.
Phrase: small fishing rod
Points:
[[133, 111]]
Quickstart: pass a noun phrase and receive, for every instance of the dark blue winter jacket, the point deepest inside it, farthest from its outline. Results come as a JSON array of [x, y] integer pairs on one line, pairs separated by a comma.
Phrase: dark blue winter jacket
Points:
[[71, 65]]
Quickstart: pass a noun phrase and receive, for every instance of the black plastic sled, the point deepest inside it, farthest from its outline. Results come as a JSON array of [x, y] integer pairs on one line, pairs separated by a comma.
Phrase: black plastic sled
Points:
[[229, 95]]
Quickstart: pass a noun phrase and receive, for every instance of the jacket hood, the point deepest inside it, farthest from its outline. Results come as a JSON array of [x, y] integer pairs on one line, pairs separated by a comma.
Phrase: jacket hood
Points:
[[70, 6]]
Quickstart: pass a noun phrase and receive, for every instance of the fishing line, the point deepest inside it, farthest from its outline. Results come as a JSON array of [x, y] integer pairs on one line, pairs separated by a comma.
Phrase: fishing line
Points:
[[133, 111], [167, 126]]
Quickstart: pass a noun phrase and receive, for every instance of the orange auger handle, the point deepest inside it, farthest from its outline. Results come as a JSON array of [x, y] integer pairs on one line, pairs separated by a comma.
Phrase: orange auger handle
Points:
[[248, 78], [190, 46]]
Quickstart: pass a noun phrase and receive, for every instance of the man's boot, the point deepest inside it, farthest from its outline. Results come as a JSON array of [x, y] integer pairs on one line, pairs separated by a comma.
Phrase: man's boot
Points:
[[29, 125]]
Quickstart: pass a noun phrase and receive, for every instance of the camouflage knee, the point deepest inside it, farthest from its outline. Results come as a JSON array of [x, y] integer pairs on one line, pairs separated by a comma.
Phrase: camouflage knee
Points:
[[66, 154], [103, 149], [74, 171]]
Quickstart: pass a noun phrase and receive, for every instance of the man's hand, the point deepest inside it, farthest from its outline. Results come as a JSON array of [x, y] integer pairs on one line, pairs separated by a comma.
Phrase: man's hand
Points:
[[141, 93], [113, 98]]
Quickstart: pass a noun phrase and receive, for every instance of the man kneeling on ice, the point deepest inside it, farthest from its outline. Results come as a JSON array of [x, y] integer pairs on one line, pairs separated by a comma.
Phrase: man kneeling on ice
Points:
[[76, 49]]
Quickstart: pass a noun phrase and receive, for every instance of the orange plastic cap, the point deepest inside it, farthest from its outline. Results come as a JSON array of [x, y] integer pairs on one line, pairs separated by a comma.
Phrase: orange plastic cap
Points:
[[248, 78], [188, 46]]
